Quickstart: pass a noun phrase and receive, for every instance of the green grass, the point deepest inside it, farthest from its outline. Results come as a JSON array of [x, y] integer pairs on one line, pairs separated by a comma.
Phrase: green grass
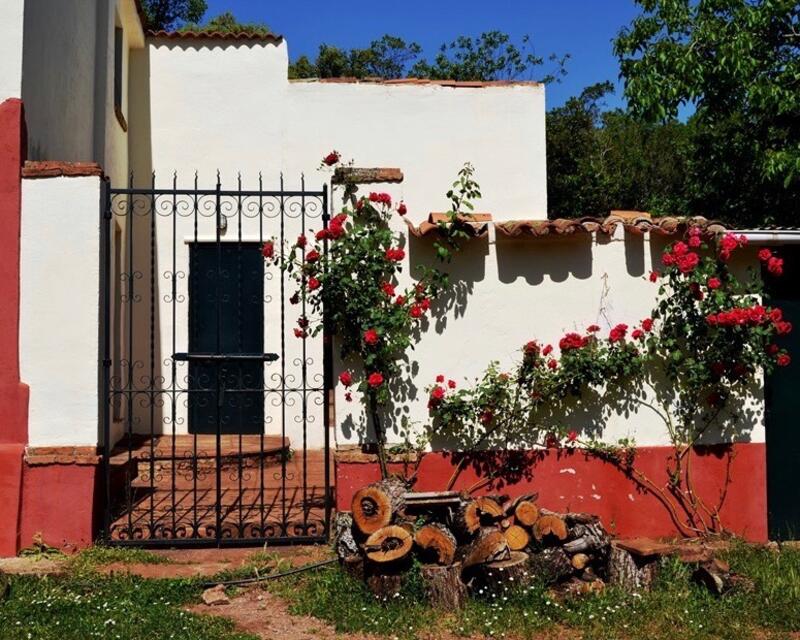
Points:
[[99, 555], [676, 608]]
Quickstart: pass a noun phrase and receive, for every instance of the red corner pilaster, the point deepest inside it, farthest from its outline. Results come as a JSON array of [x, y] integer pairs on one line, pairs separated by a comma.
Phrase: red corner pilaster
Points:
[[13, 394]]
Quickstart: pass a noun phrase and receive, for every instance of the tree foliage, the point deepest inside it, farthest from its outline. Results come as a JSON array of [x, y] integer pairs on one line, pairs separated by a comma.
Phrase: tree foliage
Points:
[[738, 63], [601, 160], [227, 23], [168, 14], [491, 56]]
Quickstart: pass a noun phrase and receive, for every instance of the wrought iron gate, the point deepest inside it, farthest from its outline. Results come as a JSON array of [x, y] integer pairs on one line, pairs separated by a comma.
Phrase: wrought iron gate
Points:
[[214, 414]]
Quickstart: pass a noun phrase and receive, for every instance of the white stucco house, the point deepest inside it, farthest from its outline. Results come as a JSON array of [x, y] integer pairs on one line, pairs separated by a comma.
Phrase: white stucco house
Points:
[[152, 389]]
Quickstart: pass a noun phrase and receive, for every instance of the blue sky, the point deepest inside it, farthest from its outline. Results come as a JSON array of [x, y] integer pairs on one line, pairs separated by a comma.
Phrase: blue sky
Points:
[[583, 28]]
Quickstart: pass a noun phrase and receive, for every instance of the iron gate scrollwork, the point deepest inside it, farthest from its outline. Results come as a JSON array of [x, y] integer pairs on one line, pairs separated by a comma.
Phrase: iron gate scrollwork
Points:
[[214, 414]]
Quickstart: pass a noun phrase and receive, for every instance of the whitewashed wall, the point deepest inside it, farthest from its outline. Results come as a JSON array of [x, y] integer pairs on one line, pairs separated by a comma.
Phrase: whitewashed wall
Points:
[[59, 321], [11, 30]]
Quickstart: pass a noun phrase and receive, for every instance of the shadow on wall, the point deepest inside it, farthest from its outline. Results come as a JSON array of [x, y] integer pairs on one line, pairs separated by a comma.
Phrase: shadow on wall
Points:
[[532, 259]]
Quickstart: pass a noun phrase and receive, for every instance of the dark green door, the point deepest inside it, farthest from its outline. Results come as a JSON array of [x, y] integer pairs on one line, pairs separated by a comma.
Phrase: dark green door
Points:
[[226, 338], [783, 410]]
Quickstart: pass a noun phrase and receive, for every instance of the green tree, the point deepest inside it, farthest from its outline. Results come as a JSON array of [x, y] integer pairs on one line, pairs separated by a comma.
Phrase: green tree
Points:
[[227, 23], [491, 56], [168, 14], [387, 57], [737, 62]]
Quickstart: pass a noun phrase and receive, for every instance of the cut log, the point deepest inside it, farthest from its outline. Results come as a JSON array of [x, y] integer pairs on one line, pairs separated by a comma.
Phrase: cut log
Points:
[[631, 573], [343, 541], [550, 527], [443, 586], [374, 505], [438, 544], [388, 544], [384, 586], [580, 560], [490, 546], [500, 576], [591, 538], [517, 537], [431, 500], [506, 523], [476, 513], [551, 565], [526, 513], [354, 567]]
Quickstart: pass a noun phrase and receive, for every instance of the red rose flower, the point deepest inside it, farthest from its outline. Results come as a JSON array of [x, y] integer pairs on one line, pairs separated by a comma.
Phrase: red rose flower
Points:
[[400, 300], [401, 208], [440, 379], [321, 235], [331, 159], [313, 283], [547, 350], [775, 266], [654, 275], [772, 349], [679, 249], [593, 328], [687, 262], [375, 380], [764, 255], [395, 255], [531, 349], [637, 334], [714, 283], [776, 315], [451, 384], [301, 241], [437, 393], [783, 327], [647, 324], [381, 198], [784, 360], [299, 333], [487, 415], [552, 364], [416, 311], [572, 436], [668, 259], [312, 256], [346, 378], [371, 336], [268, 249], [618, 333], [388, 288], [572, 341], [693, 241]]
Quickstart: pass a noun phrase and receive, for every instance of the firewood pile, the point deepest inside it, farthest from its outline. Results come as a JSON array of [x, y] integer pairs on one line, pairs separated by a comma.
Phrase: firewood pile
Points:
[[468, 545]]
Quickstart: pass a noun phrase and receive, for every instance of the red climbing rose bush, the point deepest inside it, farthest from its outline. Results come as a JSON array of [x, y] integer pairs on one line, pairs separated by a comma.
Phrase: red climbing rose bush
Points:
[[347, 278], [707, 339]]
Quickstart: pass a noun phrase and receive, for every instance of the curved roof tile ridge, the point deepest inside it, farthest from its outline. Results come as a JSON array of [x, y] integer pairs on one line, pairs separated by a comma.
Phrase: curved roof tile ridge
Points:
[[216, 35]]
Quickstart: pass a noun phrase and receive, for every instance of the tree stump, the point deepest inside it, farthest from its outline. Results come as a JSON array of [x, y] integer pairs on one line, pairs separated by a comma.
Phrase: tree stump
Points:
[[631, 573], [354, 567], [375, 505], [437, 543], [443, 586], [500, 576], [384, 585], [517, 537], [389, 544], [551, 565]]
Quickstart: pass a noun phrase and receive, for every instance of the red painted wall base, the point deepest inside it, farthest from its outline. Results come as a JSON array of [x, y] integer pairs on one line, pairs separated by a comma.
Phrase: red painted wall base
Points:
[[60, 502], [10, 497], [570, 480]]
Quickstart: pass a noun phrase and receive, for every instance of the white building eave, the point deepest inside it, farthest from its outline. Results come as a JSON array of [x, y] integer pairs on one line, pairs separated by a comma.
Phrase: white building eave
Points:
[[770, 236]]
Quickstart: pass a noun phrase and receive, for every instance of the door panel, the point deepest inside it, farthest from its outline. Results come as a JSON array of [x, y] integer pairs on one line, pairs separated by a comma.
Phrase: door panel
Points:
[[226, 318]]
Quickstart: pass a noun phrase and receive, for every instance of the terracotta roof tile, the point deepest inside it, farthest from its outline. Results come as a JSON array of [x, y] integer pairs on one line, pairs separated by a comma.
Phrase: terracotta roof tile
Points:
[[54, 169], [475, 224], [250, 36], [633, 222]]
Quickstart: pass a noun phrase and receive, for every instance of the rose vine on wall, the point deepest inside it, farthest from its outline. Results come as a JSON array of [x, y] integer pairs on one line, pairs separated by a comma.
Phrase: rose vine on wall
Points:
[[691, 362], [347, 279]]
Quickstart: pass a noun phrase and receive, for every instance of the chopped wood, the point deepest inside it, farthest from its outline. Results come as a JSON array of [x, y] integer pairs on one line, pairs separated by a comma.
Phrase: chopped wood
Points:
[[576, 587], [388, 544], [443, 586], [384, 586], [478, 512], [518, 538], [551, 565], [375, 505], [580, 560], [437, 543], [526, 513], [505, 523], [421, 500], [354, 567], [501, 575], [587, 538], [343, 541], [552, 526], [490, 546]]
